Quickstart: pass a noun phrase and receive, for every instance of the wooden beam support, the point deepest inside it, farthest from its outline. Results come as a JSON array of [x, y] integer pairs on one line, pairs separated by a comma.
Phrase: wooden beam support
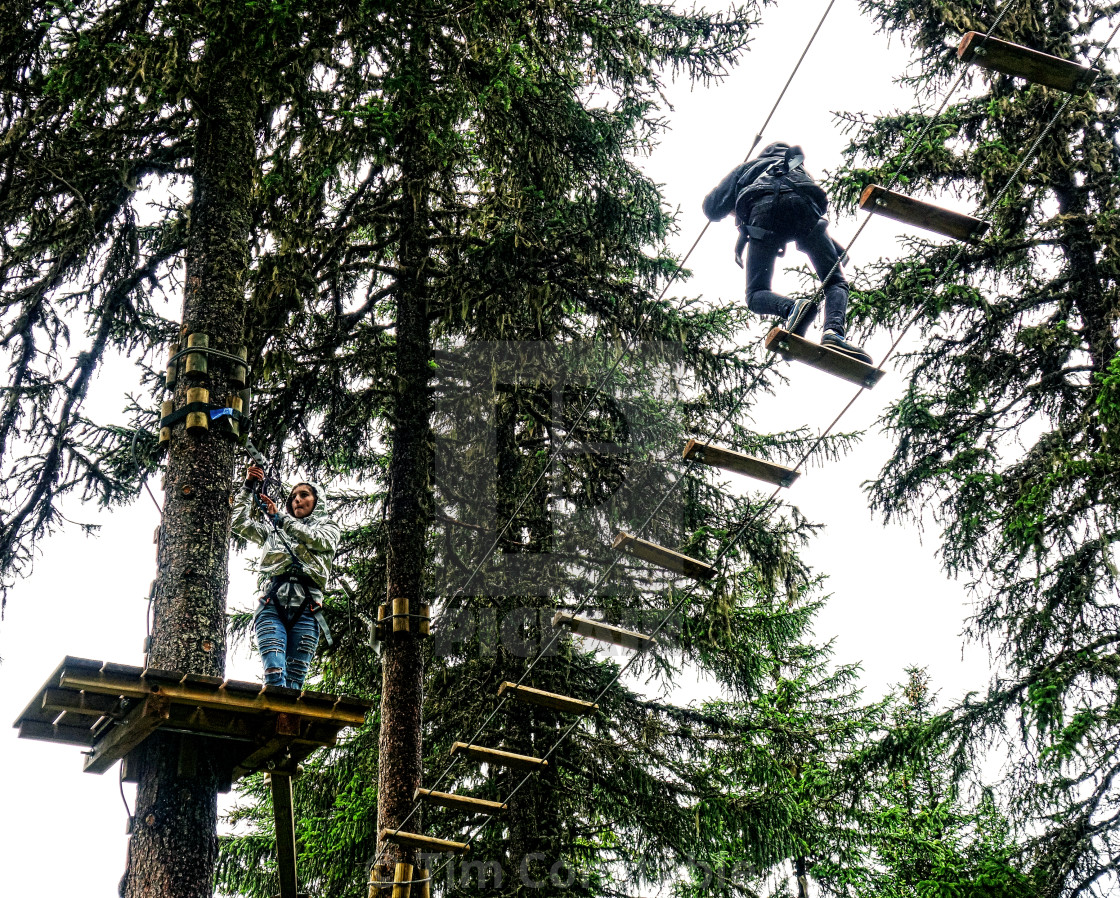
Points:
[[1022, 62], [739, 463], [497, 757], [87, 703], [425, 843], [921, 214], [594, 629], [283, 813], [136, 726], [790, 346], [553, 700], [460, 802], [49, 732], [664, 558]]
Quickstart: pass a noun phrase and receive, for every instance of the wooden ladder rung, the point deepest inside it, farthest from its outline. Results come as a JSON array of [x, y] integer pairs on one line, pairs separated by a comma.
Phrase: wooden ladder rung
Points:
[[460, 802], [739, 463], [593, 629], [553, 700], [921, 214], [1022, 62], [497, 757], [664, 558], [413, 840], [790, 346]]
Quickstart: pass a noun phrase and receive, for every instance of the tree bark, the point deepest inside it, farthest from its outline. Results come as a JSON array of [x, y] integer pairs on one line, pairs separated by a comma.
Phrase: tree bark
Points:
[[174, 843], [409, 507]]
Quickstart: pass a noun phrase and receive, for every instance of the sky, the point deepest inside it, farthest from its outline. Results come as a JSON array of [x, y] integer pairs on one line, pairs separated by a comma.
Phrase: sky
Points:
[[890, 604]]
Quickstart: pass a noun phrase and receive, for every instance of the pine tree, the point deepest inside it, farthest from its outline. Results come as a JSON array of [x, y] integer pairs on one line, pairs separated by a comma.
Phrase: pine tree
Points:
[[1006, 432]]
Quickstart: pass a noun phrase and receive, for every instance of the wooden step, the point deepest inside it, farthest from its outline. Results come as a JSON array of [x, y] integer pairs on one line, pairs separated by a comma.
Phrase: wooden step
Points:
[[1023, 62], [921, 214], [730, 460], [497, 757], [790, 346], [546, 699], [425, 843], [664, 558], [593, 629], [460, 802]]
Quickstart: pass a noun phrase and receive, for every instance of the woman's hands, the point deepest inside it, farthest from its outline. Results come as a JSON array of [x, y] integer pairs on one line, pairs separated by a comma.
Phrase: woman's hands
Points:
[[256, 473]]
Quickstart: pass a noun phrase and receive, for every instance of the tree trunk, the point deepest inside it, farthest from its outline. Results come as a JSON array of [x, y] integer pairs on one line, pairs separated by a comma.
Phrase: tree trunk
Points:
[[174, 842], [402, 695]]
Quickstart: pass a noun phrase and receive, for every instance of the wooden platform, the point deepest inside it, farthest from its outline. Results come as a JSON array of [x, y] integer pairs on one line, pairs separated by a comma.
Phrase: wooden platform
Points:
[[497, 757], [790, 346], [730, 460], [460, 802], [594, 629], [921, 214], [553, 700], [668, 559], [110, 709], [1023, 62]]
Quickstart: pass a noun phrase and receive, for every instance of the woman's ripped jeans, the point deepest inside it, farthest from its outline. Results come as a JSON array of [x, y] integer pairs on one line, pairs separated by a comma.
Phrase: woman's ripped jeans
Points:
[[285, 651]]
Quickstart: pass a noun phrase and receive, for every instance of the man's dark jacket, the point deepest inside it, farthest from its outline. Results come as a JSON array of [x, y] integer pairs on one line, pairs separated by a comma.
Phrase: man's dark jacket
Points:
[[745, 183]]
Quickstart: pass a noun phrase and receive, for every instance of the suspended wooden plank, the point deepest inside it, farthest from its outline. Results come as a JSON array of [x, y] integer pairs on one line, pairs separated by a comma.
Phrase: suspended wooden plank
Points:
[[594, 629], [921, 214], [460, 802], [284, 816], [664, 558], [791, 346], [1023, 62], [497, 757], [553, 700], [730, 460], [426, 843]]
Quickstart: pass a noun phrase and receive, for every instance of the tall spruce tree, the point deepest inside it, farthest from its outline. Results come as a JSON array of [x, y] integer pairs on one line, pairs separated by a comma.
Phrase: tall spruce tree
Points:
[[1007, 430]]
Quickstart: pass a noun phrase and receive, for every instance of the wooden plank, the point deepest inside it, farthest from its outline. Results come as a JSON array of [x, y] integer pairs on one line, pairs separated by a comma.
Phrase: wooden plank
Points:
[[426, 843], [89, 703], [134, 728], [497, 757], [267, 699], [593, 629], [729, 460], [921, 214], [48, 732], [283, 813], [1023, 62], [460, 802], [790, 346], [553, 700], [664, 558]]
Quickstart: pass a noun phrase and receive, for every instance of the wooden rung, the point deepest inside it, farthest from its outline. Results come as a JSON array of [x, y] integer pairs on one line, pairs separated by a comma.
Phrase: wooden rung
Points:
[[741, 464], [662, 557], [547, 699], [497, 757], [790, 346], [428, 843], [593, 629], [1023, 62], [460, 802], [921, 214]]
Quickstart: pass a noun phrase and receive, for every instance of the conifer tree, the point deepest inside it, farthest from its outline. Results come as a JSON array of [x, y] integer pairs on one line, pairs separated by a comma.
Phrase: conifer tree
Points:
[[1007, 430]]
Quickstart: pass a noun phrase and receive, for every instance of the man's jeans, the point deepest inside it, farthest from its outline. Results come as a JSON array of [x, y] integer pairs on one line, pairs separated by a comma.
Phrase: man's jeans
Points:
[[286, 652], [822, 253]]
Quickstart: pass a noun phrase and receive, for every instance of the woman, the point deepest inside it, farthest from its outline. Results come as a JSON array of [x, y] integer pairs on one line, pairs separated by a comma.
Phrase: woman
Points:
[[299, 545]]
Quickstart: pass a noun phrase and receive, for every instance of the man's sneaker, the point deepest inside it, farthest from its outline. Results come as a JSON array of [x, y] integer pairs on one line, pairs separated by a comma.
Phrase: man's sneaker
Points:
[[800, 317], [834, 341]]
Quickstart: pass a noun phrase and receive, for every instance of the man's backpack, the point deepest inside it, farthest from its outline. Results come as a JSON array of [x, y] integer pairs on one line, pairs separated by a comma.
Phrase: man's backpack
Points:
[[784, 174]]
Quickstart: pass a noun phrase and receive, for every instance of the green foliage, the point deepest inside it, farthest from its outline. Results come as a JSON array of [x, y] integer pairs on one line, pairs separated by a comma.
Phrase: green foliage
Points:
[[1004, 434]]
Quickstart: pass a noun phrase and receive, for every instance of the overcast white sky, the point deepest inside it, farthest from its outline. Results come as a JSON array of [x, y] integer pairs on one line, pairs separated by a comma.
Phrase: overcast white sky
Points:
[[891, 606]]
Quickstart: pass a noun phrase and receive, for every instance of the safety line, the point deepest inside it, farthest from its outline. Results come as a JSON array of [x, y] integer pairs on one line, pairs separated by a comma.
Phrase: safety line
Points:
[[555, 454], [743, 527]]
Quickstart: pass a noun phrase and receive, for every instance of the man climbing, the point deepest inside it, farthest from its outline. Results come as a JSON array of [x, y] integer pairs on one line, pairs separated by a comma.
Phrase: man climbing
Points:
[[298, 550], [775, 201]]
